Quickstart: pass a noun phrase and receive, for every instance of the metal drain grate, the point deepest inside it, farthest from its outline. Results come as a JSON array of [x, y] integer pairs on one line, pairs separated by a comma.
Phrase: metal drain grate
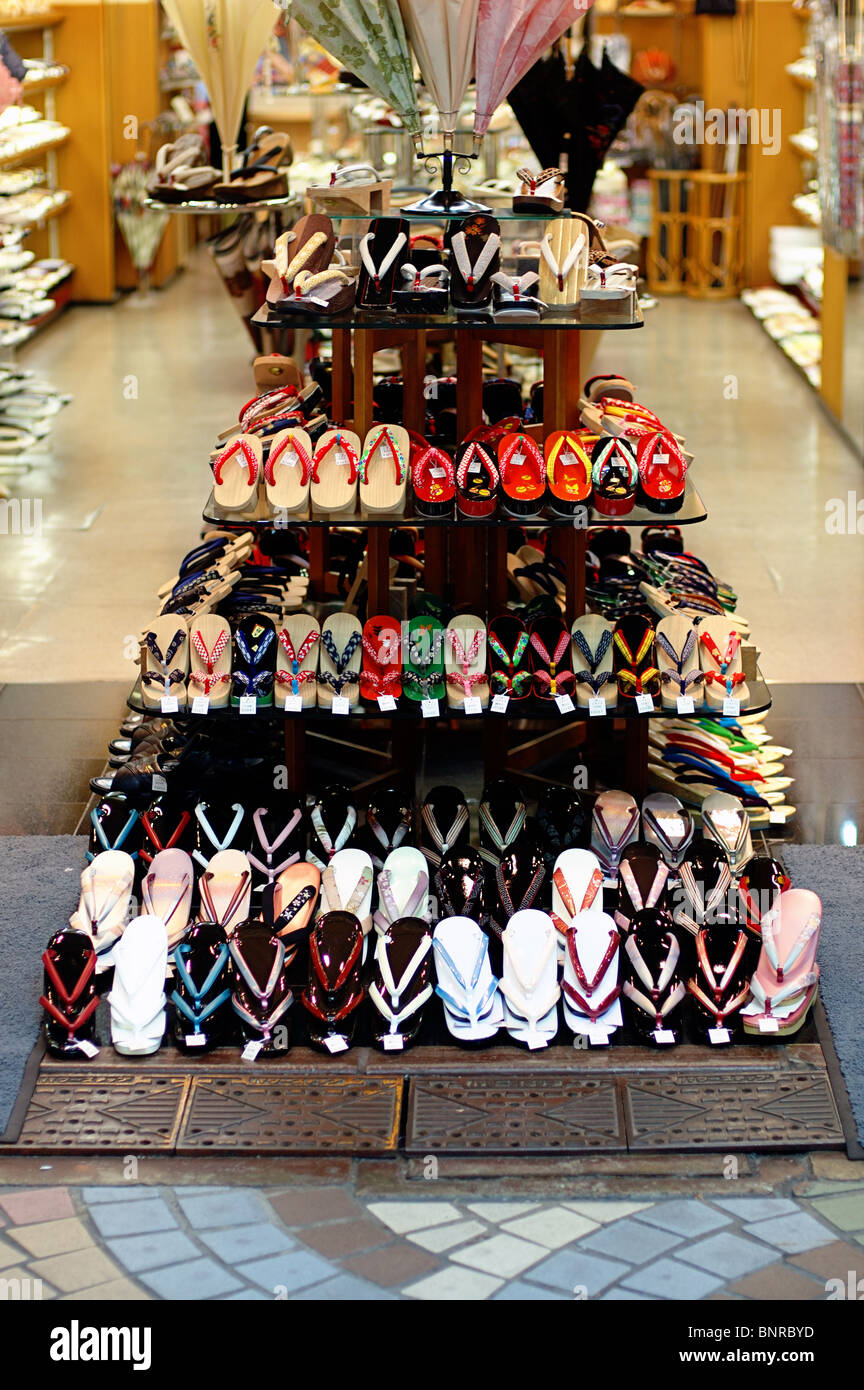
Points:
[[292, 1114], [740, 1109], [127, 1110], [506, 1113]]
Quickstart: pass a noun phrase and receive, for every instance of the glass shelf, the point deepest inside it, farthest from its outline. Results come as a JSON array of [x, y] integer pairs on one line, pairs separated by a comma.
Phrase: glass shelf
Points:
[[201, 207], [594, 314], [502, 214], [693, 510], [408, 711]]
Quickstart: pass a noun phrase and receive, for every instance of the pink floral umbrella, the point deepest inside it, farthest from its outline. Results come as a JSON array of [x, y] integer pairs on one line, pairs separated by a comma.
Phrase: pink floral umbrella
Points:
[[511, 36]]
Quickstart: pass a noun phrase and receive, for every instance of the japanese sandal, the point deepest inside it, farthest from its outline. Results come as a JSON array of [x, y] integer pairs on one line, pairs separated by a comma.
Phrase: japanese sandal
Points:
[[236, 473], [653, 984], [210, 654], [225, 889], [465, 661], [577, 885], [402, 983], [423, 660], [590, 988], [614, 476], [568, 470], [720, 984], [137, 996], [383, 470], [593, 661], [69, 999], [339, 660], [201, 993], [475, 250], [725, 821], [165, 662], [382, 253], [540, 192], [667, 825], [262, 995], [529, 979], [287, 470], [166, 892], [297, 663], [335, 989], [786, 982], [335, 467], [477, 480], [720, 657], [614, 824], [522, 474], [444, 824], [551, 661], [309, 246], [662, 468], [346, 886], [433, 479], [254, 660], [473, 1009], [381, 673], [643, 878], [677, 655], [509, 672], [106, 893]]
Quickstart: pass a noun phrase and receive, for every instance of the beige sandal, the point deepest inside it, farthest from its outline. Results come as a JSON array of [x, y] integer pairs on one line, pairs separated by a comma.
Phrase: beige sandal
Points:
[[297, 664], [340, 659], [334, 472], [288, 470], [210, 639], [164, 662], [383, 470]]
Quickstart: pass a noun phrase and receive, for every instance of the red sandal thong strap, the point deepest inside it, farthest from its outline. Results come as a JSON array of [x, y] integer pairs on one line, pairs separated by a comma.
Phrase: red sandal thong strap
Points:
[[275, 454], [239, 446], [337, 442]]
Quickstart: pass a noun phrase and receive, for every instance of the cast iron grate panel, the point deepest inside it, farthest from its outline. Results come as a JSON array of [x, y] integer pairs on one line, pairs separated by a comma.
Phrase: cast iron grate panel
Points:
[[513, 1114], [126, 1110], [737, 1109], [292, 1114]]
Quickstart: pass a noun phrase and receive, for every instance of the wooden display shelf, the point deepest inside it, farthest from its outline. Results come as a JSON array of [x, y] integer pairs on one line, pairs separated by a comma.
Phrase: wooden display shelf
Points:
[[33, 152], [43, 84], [45, 216]]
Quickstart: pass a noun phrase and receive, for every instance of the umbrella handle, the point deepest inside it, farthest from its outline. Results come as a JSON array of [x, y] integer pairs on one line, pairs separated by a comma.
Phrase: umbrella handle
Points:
[[228, 157]]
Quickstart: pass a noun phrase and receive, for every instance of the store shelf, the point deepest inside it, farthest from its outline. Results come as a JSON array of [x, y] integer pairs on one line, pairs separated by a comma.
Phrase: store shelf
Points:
[[592, 315], [408, 711], [804, 145], [23, 23], [814, 380], [692, 511], [9, 161], [42, 218]]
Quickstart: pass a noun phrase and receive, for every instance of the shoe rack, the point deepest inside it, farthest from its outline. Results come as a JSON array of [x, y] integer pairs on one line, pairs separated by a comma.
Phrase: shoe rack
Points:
[[465, 560]]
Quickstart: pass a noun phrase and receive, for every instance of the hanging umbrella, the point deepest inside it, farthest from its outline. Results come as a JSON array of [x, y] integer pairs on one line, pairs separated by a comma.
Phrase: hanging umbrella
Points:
[[442, 34], [140, 227], [368, 38], [225, 39], [511, 36]]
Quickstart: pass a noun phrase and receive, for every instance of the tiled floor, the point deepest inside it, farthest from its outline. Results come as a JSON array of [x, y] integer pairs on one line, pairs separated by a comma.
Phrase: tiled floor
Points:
[[331, 1243]]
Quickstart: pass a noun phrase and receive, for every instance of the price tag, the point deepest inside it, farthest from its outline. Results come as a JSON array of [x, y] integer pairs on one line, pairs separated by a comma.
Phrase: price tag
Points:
[[663, 1035], [386, 703], [596, 707], [88, 1048], [685, 704], [564, 703], [248, 704], [473, 705], [199, 1040], [429, 709], [568, 460], [476, 464], [719, 1035], [500, 703], [289, 459], [341, 704], [201, 704], [597, 1036], [169, 704], [731, 707], [340, 457], [769, 1025], [250, 1051], [610, 883], [437, 472], [645, 704], [336, 1043], [518, 460], [294, 703], [776, 818], [535, 1041], [393, 1042], [159, 783]]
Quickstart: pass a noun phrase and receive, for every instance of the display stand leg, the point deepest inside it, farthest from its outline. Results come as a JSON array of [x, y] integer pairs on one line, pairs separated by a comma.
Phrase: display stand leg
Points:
[[378, 569], [469, 396], [364, 356], [496, 579], [434, 559], [341, 387], [636, 757], [562, 382], [413, 375], [319, 560], [295, 756], [569, 544]]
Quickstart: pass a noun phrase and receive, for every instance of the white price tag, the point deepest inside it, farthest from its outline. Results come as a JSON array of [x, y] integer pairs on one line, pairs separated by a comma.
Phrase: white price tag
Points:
[[429, 709], [248, 704], [776, 818], [645, 704], [597, 1036], [386, 703], [475, 465], [289, 459], [199, 1040], [159, 783], [336, 1043], [685, 704], [518, 460], [610, 883], [731, 707], [719, 1035], [340, 457], [341, 704], [437, 472], [201, 704], [568, 459], [500, 703], [88, 1048], [473, 705], [535, 1041], [393, 1042], [169, 704], [596, 707], [663, 1035], [293, 703], [769, 1025], [250, 1051], [564, 703]]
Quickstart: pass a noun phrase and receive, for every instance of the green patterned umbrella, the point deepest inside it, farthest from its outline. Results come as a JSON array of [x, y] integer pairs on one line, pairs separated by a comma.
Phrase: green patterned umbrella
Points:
[[141, 227], [367, 37]]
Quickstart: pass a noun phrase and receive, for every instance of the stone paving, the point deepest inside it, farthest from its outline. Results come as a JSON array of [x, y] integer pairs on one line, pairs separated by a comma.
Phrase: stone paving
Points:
[[332, 1242]]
